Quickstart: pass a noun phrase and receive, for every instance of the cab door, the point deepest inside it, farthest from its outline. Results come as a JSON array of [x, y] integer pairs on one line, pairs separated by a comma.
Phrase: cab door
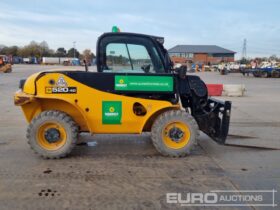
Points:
[[133, 65], [124, 51]]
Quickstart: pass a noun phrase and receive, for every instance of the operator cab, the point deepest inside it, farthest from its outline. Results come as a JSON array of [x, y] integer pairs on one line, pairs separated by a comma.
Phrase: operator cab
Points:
[[131, 53]]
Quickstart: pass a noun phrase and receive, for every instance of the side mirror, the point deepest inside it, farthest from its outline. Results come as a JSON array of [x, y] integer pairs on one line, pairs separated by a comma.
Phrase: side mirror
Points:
[[146, 68]]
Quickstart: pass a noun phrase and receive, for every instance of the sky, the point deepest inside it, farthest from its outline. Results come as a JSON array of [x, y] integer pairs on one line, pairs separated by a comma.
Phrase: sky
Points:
[[213, 22]]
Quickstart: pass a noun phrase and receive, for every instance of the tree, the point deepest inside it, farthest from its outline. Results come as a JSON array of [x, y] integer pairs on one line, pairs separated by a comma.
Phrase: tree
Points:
[[60, 52], [44, 49], [87, 55], [36, 49], [273, 58], [24, 52], [71, 51], [13, 50]]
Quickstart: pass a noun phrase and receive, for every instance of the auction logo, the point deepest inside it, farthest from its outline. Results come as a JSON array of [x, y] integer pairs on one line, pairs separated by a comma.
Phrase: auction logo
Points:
[[224, 198]]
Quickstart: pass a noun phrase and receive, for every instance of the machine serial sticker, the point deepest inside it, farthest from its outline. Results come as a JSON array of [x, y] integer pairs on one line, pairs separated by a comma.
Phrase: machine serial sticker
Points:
[[111, 112], [53, 90], [144, 83]]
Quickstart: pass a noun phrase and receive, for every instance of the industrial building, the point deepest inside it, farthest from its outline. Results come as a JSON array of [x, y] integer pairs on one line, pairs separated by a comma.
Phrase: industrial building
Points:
[[201, 54]]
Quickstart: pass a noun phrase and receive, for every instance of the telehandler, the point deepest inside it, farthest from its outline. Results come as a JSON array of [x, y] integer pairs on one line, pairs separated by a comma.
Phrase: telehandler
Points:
[[135, 89]]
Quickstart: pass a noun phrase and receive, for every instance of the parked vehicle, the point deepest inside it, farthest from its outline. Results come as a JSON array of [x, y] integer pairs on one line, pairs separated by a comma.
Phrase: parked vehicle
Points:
[[50, 60], [26, 60], [5, 65], [265, 70], [17, 60]]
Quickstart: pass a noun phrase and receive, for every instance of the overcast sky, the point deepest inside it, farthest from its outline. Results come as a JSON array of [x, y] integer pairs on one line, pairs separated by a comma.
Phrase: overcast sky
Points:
[[219, 22]]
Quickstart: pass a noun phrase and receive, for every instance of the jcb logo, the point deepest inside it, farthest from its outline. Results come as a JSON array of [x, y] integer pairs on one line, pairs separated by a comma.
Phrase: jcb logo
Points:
[[48, 90]]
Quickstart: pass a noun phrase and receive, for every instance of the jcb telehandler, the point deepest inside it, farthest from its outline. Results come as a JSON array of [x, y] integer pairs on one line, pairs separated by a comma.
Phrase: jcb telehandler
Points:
[[135, 89]]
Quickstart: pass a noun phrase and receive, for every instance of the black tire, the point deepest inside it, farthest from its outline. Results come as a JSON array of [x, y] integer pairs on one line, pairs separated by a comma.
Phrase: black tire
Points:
[[256, 73], [275, 74], [158, 129], [52, 116], [264, 74]]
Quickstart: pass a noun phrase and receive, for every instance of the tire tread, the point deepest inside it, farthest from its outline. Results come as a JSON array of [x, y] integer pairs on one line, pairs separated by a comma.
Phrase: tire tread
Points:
[[61, 116]]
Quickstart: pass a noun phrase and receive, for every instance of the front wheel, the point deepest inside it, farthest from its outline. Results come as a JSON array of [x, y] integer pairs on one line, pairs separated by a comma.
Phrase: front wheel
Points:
[[174, 133], [52, 134]]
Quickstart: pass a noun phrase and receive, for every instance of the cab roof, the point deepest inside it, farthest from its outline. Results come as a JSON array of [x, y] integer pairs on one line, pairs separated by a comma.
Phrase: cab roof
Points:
[[156, 38]]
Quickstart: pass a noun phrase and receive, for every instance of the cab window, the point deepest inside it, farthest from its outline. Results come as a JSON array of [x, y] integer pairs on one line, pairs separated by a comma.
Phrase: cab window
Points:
[[125, 57], [117, 57]]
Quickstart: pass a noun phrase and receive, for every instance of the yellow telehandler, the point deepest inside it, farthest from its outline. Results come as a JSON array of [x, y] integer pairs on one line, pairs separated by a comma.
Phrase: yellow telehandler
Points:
[[135, 89]]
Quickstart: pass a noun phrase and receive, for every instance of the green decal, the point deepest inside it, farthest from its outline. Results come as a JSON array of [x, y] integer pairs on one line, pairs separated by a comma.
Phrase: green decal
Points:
[[144, 83], [111, 112]]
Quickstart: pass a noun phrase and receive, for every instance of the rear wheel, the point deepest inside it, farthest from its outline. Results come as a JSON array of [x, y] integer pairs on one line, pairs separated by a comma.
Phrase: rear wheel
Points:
[[256, 73], [52, 134], [174, 133], [275, 74]]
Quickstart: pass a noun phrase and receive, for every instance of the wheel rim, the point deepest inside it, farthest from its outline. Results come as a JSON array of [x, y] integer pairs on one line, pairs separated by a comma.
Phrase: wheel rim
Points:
[[176, 135], [51, 136]]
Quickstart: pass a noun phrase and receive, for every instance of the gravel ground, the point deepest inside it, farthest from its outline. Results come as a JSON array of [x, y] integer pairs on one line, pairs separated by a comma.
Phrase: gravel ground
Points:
[[126, 172]]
